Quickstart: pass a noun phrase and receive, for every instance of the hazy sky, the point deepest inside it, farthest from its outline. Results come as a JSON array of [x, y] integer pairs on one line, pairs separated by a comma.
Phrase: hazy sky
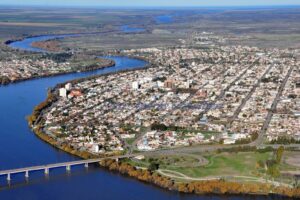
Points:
[[170, 3]]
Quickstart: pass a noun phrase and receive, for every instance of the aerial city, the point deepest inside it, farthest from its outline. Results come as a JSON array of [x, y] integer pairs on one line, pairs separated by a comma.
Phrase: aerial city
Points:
[[125, 99]]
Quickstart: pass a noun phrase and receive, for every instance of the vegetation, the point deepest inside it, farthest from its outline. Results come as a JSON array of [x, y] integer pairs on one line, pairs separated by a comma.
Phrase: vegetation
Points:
[[225, 164], [4, 80], [285, 140], [153, 166], [59, 57], [198, 187], [38, 109]]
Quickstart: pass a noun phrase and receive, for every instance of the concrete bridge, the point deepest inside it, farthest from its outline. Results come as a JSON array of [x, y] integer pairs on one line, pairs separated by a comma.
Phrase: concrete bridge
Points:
[[67, 165]]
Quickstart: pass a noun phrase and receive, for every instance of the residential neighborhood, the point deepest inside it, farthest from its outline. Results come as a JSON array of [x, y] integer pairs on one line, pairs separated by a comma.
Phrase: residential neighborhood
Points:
[[217, 95]]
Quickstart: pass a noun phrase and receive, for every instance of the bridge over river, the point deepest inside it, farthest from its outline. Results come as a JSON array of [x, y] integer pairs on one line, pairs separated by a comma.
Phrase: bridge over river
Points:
[[67, 165]]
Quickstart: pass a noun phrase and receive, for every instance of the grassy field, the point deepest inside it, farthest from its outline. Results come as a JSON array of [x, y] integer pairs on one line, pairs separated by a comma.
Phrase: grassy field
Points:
[[16, 22], [225, 164], [272, 27], [241, 166]]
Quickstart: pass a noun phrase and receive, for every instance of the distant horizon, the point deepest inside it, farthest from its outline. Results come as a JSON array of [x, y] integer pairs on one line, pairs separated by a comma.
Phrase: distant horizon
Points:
[[150, 7], [150, 4]]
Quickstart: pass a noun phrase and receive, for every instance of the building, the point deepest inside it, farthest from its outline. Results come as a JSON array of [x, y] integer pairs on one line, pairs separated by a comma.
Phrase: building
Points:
[[202, 94], [75, 93], [68, 86], [136, 85], [95, 148], [169, 84], [203, 120], [63, 92]]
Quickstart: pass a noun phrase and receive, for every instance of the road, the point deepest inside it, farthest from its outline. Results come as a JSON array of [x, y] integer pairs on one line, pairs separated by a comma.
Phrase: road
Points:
[[223, 92], [244, 101], [266, 124]]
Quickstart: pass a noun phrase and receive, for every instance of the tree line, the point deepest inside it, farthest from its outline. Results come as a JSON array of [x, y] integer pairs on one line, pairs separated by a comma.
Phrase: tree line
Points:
[[199, 187]]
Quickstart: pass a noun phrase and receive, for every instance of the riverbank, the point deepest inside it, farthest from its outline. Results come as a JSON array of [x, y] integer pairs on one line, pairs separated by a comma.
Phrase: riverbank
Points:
[[35, 123], [220, 187], [207, 187], [104, 63]]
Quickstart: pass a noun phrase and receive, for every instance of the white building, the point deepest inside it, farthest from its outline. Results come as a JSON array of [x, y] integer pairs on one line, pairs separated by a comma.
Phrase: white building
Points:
[[95, 148], [160, 84], [68, 86], [136, 85], [63, 92]]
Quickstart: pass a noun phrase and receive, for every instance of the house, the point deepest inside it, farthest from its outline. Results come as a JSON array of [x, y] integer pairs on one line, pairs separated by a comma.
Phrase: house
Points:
[[203, 120], [75, 93], [135, 85], [169, 84], [202, 94]]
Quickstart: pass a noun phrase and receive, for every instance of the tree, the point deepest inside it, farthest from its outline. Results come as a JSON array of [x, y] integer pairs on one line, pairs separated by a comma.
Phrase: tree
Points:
[[159, 127], [279, 153], [260, 164], [153, 166], [272, 168]]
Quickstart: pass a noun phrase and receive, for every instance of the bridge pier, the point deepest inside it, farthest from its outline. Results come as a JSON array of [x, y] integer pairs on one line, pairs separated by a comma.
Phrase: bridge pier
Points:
[[68, 168], [117, 159], [46, 171], [86, 165], [27, 174], [8, 177]]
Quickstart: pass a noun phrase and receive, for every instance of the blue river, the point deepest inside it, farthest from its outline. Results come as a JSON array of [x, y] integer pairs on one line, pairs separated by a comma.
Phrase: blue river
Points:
[[130, 29], [19, 147]]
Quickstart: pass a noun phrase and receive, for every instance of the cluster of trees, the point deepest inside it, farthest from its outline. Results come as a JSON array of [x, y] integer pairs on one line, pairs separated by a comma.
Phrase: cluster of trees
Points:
[[162, 127], [285, 140], [272, 164], [141, 174], [39, 108], [159, 127], [4, 80], [224, 187], [58, 57], [246, 149], [237, 149], [153, 166]]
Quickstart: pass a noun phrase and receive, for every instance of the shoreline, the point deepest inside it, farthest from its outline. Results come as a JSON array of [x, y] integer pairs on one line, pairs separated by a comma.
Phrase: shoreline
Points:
[[110, 63], [209, 187]]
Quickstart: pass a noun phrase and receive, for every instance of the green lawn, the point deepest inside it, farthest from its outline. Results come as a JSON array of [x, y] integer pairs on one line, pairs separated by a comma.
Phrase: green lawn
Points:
[[225, 164], [130, 140]]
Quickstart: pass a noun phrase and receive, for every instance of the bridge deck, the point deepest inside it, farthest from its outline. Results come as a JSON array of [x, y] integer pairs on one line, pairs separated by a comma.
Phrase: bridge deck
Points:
[[57, 165]]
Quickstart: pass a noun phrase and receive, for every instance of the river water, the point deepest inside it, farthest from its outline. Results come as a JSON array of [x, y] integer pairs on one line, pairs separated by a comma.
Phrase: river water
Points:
[[19, 147]]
